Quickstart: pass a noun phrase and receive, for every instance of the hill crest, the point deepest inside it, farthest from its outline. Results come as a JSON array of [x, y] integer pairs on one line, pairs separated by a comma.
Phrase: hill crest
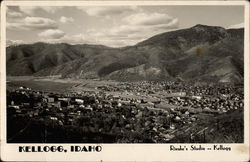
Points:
[[190, 53]]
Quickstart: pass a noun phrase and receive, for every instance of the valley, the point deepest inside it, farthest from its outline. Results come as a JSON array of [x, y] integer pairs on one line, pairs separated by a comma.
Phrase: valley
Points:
[[168, 112]]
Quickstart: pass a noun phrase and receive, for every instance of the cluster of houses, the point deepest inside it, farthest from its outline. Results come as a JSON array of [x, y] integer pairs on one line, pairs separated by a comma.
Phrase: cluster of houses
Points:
[[219, 97], [132, 120]]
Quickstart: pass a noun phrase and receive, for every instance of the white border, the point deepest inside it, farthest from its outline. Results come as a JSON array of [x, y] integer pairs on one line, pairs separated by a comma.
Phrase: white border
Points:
[[125, 152]]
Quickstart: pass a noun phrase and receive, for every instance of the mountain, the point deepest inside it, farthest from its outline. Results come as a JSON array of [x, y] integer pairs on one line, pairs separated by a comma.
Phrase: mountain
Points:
[[201, 52]]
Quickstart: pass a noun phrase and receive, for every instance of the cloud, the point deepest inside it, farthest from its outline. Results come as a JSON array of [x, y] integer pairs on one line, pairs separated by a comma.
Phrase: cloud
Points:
[[148, 19], [30, 10], [114, 38], [13, 14], [14, 42], [80, 39], [104, 37], [115, 43], [71, 39], [64, 19], [236, 26], [52, 34], [15, 26], [51, 9], [141, 26], [135, 28], [107, 11], [126, 29], [32, 23], [131, 29], [147, 24]]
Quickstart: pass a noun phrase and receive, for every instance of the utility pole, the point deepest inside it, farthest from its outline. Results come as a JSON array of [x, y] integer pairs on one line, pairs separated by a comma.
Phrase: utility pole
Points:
[[45, 134], [204, 136]]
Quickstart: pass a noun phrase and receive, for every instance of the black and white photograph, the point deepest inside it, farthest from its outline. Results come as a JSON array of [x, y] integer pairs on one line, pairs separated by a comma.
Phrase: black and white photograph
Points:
[[125, 74]]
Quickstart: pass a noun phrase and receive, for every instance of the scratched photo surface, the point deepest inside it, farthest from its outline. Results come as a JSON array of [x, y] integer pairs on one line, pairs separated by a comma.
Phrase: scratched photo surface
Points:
[[125, 74]]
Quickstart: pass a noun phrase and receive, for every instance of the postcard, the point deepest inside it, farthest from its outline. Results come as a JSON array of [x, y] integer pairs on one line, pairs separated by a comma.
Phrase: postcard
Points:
[[124, 81]]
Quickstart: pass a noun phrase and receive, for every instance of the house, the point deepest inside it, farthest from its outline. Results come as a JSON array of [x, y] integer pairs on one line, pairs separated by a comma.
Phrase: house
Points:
[[63, 99], [116, 97], [45, 100], [172, 126], [60, 122], [148, 104], [156, 102], [78, 113], [178, 94], [26, 104], [57, 104], [36, 113], [123, 102], [15, 106], [51, 99], [38, 104], [88, 108], [79, 101], [60, 115], [119, 104], [71, 106], [70, 121], [81, 106], [53, 118], [196, 97]]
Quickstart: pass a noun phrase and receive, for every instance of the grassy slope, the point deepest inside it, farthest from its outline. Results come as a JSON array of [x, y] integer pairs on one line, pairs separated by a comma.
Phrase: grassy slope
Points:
[[224, 128]]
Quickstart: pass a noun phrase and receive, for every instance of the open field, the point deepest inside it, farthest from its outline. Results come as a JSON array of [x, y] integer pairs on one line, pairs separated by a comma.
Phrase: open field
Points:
[[54, 84]]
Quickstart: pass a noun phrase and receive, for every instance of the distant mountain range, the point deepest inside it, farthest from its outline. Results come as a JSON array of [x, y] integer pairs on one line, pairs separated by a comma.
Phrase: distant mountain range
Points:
[[202, 53]]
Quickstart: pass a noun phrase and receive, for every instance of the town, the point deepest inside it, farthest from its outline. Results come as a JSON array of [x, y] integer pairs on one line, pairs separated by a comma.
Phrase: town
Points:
[[128, 112]]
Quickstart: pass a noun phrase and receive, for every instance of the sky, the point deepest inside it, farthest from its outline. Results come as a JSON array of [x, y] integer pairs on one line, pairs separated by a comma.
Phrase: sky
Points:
[[114, 26]]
